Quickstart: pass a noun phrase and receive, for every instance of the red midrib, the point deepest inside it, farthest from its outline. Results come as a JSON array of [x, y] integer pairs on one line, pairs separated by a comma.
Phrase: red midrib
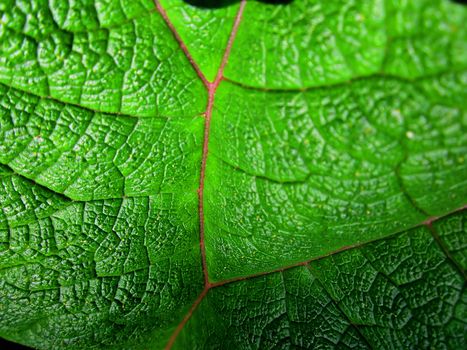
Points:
[[212, 88]]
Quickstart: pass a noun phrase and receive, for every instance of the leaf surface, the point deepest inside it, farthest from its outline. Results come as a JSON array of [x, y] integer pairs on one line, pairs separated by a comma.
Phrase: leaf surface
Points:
[[244, 174], [398, 293]]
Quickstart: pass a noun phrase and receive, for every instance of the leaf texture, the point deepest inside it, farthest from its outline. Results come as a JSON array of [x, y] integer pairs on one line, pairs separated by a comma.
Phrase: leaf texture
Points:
[[233, 175], [398, 293]]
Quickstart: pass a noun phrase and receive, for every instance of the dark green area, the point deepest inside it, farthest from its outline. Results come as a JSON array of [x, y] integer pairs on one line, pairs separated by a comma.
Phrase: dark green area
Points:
[[398, 293]]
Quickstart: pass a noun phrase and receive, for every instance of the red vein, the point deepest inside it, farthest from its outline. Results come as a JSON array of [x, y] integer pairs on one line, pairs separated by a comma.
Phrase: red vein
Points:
[[180, 326], [287, 267], [432, 219], [182, 45], [211, 87], [428, 222]]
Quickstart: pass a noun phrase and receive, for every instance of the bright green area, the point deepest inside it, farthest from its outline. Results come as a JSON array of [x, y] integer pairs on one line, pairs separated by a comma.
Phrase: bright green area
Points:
[[312, 43], [308, 43], [99, 106], [90, 155], [305, 173], [118, 58], [398, 293], [204, 30], [338, 123]]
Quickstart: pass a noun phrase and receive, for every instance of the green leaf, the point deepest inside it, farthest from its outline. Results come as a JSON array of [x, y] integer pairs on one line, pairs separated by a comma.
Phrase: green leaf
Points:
[[238, 175], [398, 293]]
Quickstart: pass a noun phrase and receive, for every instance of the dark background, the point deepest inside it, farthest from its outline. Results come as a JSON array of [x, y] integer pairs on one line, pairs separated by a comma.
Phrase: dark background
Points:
[[222, 3], [6, 345]]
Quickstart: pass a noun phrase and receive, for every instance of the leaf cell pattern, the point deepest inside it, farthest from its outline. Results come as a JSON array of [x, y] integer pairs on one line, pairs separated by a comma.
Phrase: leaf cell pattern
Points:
[[248, 176]]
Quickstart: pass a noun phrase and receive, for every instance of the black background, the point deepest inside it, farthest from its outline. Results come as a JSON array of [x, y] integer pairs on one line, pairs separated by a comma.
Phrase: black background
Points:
[[6, 345]]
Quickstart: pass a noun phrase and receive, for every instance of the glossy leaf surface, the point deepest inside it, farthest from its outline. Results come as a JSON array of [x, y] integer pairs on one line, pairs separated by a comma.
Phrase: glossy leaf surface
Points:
[[233, 174]]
